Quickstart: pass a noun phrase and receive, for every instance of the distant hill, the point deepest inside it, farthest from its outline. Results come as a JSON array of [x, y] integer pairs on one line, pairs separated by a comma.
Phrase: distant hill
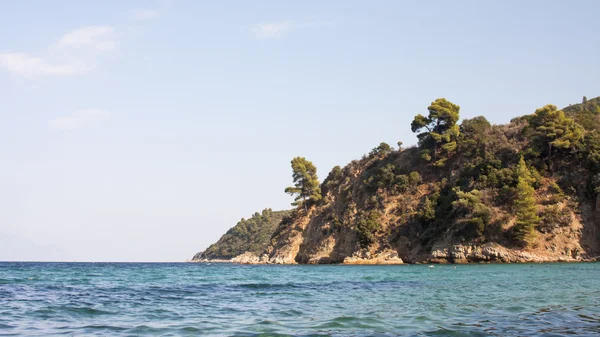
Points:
[[251, 235]]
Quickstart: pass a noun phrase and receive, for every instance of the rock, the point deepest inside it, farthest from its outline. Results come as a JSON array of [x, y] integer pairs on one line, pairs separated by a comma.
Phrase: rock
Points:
[[491, 252], [386, 256], [439, 255], [246, 258]]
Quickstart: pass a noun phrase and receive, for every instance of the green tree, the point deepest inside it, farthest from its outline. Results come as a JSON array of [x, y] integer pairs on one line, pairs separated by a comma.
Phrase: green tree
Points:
[[438, 131], [367, 226], [552, 129], [381, 149], [471, 213], [414, 178], [474, 133], [333, 178], [306, 183], [590, 151], [525, 205]]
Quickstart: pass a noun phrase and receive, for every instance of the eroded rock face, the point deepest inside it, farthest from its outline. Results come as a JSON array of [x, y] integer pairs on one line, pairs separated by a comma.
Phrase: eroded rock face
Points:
[[491, 252], [387, 256], [246, 258]]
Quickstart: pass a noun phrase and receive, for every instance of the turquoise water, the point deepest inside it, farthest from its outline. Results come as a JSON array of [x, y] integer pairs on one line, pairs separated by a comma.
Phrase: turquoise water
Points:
[[235, 300]]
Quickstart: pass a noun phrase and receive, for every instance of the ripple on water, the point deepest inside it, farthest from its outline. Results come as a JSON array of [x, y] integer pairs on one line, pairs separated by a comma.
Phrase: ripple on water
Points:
[[193, 299]]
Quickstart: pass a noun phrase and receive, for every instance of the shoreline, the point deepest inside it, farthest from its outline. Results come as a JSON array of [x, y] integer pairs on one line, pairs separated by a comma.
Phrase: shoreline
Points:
[[220, 261]]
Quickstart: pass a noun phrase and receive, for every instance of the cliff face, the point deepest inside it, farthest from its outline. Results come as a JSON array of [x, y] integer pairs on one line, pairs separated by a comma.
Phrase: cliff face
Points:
[[331, 233], [392, 206]]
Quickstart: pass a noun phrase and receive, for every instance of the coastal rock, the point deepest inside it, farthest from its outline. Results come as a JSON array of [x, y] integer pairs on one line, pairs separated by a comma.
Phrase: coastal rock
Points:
[[491, 252], [387, 256], [439, 255], [246, 258]]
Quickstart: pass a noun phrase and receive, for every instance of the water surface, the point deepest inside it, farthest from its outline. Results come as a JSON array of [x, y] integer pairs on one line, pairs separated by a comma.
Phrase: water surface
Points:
[[135, 299]]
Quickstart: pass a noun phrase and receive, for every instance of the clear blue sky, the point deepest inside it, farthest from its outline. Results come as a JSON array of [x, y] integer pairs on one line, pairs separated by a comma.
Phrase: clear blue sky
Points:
[[142, 131]]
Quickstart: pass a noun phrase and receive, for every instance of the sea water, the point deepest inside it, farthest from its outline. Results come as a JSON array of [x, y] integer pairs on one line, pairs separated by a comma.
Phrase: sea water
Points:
[[135, 299]]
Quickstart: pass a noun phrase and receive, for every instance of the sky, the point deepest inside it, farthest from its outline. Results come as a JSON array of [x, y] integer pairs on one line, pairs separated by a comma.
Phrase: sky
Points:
[[143, 130]]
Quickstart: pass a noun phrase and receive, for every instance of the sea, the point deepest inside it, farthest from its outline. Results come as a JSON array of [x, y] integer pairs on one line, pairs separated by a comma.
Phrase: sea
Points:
[[220, 299]]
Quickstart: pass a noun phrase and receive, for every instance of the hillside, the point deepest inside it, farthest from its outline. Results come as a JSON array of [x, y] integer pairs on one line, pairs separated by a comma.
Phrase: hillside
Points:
[[469, 192], [251, 235]]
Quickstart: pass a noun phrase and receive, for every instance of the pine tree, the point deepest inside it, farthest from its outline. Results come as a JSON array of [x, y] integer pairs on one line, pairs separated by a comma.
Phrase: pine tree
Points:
[[306, 183], [525, 205], [438, 140], [382, 149], [554, 130]]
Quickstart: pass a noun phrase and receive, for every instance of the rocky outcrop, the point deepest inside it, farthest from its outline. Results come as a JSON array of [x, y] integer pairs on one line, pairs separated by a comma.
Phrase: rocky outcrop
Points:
[[492, 252], [249, 258], [387, 256]]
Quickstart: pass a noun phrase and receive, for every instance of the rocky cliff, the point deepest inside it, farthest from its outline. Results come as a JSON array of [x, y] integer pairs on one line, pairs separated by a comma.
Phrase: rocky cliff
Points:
[[331, 234], [395, 206]]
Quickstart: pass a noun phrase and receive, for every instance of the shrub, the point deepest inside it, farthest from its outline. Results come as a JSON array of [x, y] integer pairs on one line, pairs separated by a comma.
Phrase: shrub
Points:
[[414, 178], [471, 214], [366, 227], [554, 217]]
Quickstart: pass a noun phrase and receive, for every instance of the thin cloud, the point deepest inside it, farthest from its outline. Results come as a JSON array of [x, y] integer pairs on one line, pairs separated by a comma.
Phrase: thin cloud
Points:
[[78, 119], [97, 37], [145, 14], [23, 64], [74, 53], [272, 30]]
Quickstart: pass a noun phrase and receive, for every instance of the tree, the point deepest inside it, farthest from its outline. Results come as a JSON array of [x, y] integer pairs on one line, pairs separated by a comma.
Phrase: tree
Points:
[[438, 131], [366, 227], [590, 151], [333, 179], [414, 178], [525, 205], [474, 134], [382, 149], [306, 183], [471, 213], [552, 129]]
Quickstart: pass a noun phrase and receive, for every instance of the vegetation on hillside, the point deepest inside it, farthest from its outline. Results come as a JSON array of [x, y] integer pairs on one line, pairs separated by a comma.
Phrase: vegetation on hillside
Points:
[[532, 183], [469, 182], [248, 235]]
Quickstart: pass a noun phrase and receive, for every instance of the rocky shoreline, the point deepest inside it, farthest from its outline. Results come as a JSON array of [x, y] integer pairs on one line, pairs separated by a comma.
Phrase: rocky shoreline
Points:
[[456, 254]]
